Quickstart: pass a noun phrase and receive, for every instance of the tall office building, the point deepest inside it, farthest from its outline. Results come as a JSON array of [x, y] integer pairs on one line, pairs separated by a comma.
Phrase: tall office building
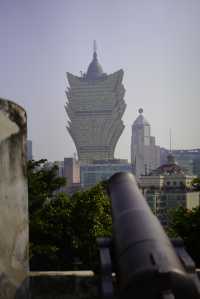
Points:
[[95, 107], [145, 154]]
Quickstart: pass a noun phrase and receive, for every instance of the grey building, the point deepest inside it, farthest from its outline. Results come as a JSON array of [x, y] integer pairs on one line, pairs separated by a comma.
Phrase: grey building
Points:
[[98, 171], [145, 154], [95, 107], [168, 187], [188, 159], [70, 170]]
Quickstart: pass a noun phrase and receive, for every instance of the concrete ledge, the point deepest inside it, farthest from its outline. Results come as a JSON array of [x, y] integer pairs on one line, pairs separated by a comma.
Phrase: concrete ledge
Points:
[[61, 273], [64, 285]]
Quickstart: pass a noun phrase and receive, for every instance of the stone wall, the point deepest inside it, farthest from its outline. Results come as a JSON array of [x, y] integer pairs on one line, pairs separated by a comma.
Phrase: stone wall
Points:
[[13, 202]]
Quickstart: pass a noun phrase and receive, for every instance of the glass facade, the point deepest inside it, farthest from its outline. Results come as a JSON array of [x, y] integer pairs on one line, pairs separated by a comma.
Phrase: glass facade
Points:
[[94, 173]]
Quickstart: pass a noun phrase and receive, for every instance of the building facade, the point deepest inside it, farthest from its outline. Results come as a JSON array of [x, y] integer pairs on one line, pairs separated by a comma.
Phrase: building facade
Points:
[[70, 170], [168, 187], [92, 174], [188, 159], [95, 108], [145, 154]]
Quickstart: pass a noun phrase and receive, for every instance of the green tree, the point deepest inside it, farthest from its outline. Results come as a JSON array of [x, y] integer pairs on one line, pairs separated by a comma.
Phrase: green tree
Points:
[[62, 228], [48, 210], [91, 218], [185, 223], [51, 235], [43, 181]]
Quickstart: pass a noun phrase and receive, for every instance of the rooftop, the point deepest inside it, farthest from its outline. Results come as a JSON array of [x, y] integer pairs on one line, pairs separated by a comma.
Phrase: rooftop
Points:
[[140, 120], [170, 168]]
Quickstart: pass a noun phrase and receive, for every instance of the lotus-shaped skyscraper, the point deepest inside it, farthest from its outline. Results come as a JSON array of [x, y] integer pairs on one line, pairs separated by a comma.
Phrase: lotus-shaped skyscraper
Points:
[[95, 108]]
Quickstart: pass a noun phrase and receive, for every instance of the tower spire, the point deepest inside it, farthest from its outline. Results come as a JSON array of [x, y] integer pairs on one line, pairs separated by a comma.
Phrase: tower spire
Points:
[[94, 46], [95, 50], [94, 70]]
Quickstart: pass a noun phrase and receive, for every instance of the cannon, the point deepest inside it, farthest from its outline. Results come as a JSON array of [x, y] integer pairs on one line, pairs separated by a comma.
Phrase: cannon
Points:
[[147, 263]]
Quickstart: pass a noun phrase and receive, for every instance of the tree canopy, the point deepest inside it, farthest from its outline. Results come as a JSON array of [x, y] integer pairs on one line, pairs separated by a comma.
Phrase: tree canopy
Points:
[[186, 224], [43, 181], [63, 229], [91, 218]]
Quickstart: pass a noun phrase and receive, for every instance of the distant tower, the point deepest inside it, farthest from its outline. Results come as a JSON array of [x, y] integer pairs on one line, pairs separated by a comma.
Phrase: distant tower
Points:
[[95, 107], [145, 155]]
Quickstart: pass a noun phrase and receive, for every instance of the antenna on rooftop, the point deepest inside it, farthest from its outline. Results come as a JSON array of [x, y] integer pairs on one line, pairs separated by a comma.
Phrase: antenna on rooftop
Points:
[[170, 140]]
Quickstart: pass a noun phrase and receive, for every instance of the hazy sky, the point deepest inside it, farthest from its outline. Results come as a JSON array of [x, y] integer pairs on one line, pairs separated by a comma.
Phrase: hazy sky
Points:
[[156, 42]]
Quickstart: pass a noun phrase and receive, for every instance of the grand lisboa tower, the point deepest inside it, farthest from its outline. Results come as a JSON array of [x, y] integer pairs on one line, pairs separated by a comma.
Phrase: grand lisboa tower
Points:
[[95, 108]]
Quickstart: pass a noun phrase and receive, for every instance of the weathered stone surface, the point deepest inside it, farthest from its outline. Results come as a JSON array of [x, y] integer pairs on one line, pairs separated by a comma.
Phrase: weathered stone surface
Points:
[[13, 201]]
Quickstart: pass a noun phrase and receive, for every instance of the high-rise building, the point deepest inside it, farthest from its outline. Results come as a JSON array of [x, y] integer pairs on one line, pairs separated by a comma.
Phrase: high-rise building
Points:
[[95, 107], [145, 154]]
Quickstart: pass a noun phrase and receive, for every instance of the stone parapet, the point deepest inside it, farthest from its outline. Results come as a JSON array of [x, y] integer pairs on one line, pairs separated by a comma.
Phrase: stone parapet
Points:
[[13, 202]]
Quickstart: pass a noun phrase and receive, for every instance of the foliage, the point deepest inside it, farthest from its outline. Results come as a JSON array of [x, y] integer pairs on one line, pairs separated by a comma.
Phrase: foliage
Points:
[[51, 236], [44, 204], [64, 229], [186, 224], [91, 218], [42, 183]]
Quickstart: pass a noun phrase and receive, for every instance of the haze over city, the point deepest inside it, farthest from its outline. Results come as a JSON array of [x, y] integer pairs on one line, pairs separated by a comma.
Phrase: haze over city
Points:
[[156, 43]]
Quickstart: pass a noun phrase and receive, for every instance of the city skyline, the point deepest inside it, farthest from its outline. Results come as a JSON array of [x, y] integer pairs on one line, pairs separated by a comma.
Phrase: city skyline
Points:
[[156, 43]]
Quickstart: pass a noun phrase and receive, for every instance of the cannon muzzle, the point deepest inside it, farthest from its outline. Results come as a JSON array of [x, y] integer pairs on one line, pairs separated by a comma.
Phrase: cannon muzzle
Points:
[[147, 265]]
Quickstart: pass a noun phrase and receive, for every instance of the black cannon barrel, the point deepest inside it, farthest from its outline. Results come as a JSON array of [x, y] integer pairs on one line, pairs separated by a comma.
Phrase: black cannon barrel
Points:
[[146, 262]]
